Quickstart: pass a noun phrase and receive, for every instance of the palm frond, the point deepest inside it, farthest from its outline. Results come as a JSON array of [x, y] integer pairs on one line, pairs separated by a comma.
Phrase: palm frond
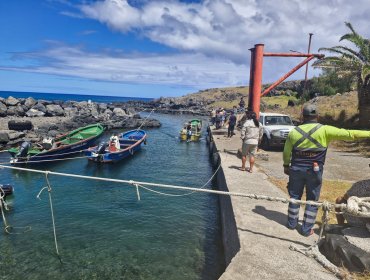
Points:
[[357, 40]]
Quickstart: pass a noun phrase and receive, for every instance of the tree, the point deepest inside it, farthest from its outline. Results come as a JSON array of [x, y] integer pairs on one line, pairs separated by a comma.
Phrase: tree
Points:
[[353, 64]]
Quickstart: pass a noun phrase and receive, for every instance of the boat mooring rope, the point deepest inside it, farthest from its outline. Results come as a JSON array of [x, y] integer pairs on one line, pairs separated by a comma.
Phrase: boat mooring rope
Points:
[[48, 187], [3, 207]]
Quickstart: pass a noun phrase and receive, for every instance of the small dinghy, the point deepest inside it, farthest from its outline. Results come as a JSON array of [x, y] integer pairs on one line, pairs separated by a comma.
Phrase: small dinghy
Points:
[[119, 147]]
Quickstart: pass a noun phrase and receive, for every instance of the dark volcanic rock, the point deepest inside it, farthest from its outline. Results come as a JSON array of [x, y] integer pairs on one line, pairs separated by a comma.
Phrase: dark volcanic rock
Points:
[[54, 110], [39, 107], [4, 137]]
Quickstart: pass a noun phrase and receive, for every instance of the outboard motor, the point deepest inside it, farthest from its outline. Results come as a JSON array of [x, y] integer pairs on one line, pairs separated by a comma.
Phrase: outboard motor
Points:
[[48, 143], [23, 150], [101, 148], [6, 190]]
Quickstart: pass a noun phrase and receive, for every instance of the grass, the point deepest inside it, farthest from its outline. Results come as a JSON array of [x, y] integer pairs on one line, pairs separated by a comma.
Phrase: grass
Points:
[[281, 100]]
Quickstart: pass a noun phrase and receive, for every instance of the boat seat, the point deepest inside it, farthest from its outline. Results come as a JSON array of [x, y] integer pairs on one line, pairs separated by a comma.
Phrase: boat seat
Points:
[[85, 135]]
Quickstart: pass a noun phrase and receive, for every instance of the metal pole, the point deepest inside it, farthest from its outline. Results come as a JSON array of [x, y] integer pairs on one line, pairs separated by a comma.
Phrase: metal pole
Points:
[[251, 74], [308, 51], [257, 78], [308, 59]]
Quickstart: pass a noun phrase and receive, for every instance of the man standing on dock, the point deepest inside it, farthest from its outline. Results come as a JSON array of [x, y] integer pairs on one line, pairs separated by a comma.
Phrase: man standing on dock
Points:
[[304, 158]]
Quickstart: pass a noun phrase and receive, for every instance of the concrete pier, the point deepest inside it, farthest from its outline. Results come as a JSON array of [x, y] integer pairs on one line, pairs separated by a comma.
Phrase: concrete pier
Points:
[[256, 240]]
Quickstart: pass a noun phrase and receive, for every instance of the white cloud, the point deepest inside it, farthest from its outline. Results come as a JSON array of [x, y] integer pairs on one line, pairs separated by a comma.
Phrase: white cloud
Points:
[[180, 69], [211, 38], [228, 28]]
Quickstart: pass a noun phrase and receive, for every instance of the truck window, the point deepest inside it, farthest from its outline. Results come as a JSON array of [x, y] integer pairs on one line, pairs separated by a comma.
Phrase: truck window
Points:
[[278, 120]]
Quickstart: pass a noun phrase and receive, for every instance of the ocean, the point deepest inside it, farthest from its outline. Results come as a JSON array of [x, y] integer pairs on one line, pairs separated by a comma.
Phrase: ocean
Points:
[[73, 97], [103, 230]]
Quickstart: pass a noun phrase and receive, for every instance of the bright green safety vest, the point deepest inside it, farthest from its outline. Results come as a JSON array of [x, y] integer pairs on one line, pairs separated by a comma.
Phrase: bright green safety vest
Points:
[[308, 143]]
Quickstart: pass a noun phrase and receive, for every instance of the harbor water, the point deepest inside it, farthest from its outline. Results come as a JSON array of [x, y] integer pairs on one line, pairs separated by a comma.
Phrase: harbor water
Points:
[[103, 231]]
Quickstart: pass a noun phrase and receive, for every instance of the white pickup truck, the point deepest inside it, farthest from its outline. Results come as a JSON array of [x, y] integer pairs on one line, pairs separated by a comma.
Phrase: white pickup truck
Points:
[[276, 128]]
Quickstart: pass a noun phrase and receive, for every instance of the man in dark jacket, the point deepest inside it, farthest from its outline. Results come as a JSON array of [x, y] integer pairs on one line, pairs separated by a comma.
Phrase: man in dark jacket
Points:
[[232, 122]]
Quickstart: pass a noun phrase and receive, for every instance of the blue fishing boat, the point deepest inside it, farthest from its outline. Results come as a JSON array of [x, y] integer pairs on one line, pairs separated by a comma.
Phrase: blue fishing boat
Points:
[[62, 146], [119, 147]]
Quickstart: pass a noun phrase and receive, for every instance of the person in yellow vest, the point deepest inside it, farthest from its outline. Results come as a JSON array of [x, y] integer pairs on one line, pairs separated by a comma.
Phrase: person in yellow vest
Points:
[[304, 159]]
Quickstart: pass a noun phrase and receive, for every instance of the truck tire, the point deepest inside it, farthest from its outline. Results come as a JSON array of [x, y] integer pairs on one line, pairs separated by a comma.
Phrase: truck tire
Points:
[[265, 144], [20, 125]]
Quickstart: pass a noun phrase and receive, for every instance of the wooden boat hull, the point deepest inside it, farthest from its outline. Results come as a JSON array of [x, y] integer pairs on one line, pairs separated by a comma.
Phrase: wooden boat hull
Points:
[[128, 148], [65, 150], [194, 137]]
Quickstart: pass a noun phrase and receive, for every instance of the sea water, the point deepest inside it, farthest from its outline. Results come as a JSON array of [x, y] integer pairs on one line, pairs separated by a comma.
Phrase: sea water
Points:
[[74, 97], [103, 230]]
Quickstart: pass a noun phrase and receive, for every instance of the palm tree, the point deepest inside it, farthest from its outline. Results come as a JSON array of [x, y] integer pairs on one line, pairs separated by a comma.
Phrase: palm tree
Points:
[[354, 63]]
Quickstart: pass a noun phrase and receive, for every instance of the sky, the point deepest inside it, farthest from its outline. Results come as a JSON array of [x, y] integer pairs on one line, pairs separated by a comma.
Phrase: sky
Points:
[[159, 48]]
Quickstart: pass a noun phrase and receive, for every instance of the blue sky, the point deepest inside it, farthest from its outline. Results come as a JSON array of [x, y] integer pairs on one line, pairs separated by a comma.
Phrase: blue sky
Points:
[[159, 47]]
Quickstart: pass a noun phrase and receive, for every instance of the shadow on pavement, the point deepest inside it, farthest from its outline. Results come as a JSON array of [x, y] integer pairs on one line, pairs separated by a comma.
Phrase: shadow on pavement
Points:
[[272, 215]]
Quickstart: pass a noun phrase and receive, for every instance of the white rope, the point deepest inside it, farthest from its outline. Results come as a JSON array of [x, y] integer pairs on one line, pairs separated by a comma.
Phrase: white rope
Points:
[[4, 206], [178, 195], [48, 187], [331, 206], [146, 118]]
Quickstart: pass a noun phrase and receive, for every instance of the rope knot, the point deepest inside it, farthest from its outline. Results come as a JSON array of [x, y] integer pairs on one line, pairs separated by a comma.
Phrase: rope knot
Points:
[[326, 206], [357, 206]]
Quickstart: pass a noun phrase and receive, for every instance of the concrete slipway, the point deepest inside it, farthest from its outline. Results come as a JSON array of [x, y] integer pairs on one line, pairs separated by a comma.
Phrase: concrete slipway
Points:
[[256, 240]]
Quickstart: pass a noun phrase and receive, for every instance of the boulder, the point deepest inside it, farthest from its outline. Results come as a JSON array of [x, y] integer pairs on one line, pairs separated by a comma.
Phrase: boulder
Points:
[[3, 110], [102, 107], [54, 110], [11, 101], [34, 113], [130, 111], [15, 135], [39, 107], [94, 113], [12, 111], [4, 136], [82, 104], [29, 102], [119, 112], [53, 133], [70, 111], [20, 111]]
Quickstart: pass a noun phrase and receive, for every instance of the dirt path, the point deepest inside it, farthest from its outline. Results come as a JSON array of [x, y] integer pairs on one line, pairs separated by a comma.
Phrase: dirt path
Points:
[[339, 165]]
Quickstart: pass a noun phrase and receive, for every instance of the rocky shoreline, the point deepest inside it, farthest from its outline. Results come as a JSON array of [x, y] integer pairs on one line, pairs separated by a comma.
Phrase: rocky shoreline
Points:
[[27, 119]]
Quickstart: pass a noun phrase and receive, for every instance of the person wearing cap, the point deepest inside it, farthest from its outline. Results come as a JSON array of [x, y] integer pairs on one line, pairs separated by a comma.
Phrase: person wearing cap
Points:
[[304, 158]]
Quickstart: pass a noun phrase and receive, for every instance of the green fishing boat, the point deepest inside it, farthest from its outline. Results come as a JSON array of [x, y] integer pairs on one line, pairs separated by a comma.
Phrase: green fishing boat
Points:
[[62, 146]]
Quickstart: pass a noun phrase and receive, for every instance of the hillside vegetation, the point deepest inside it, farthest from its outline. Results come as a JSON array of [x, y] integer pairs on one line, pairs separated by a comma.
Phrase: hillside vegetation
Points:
[[339, 109]]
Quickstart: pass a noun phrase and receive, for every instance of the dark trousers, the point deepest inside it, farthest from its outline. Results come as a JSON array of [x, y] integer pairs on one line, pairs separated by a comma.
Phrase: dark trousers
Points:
[[230, 130], [298, 180]]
